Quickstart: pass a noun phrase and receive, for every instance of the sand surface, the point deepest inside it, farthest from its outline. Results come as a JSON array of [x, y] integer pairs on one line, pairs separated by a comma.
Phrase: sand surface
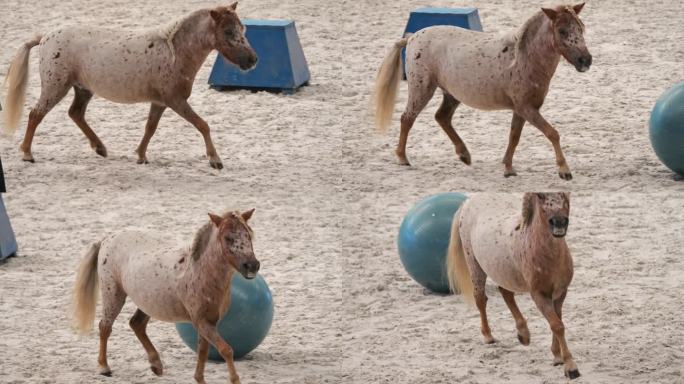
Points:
[[329, 198]]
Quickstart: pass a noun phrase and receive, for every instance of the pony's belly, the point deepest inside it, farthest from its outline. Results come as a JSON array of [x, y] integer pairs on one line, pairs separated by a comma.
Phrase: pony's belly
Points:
[[482, 96], [496, 259]]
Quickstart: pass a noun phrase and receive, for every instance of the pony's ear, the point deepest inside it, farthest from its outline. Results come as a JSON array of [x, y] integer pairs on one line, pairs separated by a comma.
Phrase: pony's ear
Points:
[[566, 197], [528, 207], [550, 13], [216, 15], [247, 214], [234, 6], [578, 8], [217, 220]]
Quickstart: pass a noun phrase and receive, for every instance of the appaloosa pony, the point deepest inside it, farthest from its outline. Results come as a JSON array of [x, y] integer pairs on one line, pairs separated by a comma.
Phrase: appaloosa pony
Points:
[[521, 246], [168, 284], [157, 66], [485, 72]]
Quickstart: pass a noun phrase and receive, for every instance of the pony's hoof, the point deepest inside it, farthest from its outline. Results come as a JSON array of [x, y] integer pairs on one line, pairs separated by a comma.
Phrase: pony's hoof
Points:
[[464, 157], [101, 150], [524, 339], [106, 372], [489, 340], [510, 172], [143, 161], [557, 362], [401, 158], [565, 175], [572, 374], [157, 368], [28, 158], [216, 164]]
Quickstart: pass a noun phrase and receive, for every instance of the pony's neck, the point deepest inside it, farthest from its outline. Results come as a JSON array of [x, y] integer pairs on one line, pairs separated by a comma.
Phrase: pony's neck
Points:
[[215, 270], [536, 48], [192, 39]]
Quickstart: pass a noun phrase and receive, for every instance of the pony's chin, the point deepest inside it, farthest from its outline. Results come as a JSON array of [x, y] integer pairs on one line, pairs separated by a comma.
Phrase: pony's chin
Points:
[[248, 275], [581, 68], [558, 233]]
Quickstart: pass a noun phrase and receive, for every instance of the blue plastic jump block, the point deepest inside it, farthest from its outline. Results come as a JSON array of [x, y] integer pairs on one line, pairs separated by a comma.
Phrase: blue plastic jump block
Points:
[[8, 245], [420, 18], [281, 65]]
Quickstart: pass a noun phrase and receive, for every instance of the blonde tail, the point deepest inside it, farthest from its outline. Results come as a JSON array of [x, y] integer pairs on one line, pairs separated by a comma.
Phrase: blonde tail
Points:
[[457, 267], [16, 80], [387, 85], [85, 291]]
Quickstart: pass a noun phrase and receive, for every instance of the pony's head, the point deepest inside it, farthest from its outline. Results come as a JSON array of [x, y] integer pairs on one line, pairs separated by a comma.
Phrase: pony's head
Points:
[[234, 239], [552, 208], [230, 38], [568, 35]]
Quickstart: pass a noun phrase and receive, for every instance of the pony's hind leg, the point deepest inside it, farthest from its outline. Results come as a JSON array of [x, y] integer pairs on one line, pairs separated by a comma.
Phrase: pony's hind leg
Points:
[[517, 124], [520, 323], [153, 118], [77, 112], [139, 325], [113, 299], [421, 90], [443, 116], [548, 308], [479, 278], [50, 95]]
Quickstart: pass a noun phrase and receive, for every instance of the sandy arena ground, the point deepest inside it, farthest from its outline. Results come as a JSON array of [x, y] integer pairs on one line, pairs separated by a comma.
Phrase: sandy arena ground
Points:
[[329, 198]]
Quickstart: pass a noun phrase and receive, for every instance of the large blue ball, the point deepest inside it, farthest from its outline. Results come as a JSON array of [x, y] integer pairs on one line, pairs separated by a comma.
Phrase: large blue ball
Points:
[[667, 128], [247, 322], [424, 238]]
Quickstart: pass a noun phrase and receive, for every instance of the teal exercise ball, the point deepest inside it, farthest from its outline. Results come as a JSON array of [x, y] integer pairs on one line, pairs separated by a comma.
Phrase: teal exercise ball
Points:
[[666, 128], [247, 321], [424, 238]]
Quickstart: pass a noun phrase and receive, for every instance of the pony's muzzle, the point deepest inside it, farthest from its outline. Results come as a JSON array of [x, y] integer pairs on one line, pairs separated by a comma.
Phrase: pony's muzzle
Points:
[[583, 63], [248, 61], [249, 269], [559, 225]]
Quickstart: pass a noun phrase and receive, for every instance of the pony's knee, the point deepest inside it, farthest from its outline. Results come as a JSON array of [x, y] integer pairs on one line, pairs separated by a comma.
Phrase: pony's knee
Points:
[[558, 329], [553, 135], [75, 112], [226, 352], [408, 117]]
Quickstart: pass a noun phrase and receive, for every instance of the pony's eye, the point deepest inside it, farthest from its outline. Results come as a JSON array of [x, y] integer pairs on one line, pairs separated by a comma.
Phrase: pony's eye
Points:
[[229, 34], [563, 32]]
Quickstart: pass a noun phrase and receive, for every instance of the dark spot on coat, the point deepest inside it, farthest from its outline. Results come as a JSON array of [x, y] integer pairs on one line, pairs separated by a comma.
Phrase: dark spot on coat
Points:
[[151, 45], [104, 261], [181, 261], [505, 49], [56, 56], [418, 55]]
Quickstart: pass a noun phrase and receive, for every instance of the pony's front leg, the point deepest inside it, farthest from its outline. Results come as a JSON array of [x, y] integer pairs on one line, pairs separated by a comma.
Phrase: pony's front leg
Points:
[[185, 111], [209, 332], [535, 118], [555, 346], [547, 308], [517, 124], [202, 353]]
